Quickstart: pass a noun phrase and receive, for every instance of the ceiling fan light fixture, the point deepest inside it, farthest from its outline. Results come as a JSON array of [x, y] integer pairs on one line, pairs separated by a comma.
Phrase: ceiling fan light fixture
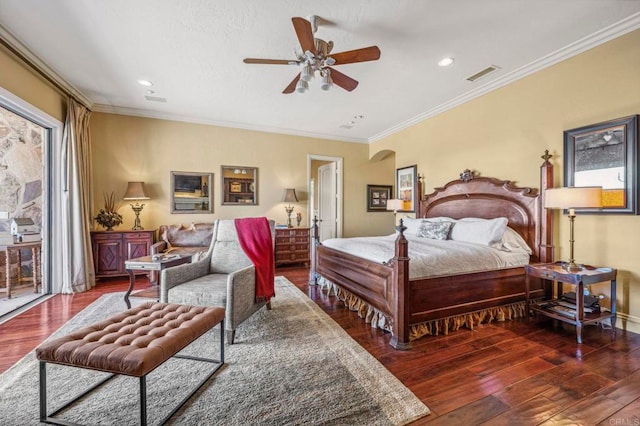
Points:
[[327, 82], [307, 72], [302, 86]]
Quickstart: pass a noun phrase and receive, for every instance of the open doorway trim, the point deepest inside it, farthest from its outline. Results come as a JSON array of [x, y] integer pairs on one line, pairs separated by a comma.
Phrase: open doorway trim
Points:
[[339, 185]]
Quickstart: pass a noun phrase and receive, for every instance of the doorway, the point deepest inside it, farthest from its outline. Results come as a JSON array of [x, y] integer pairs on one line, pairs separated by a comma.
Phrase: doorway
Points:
[[324, 180], [27, 135]]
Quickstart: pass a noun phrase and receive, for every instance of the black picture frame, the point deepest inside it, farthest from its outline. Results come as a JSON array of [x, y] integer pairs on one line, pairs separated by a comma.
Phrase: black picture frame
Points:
[[406, 187], [605, 154], [377, 197]]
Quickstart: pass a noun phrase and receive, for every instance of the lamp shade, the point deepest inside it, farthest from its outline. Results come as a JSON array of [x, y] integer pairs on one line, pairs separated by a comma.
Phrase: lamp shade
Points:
[[135, 191], [395, 204], [289, 196], [573, 197]]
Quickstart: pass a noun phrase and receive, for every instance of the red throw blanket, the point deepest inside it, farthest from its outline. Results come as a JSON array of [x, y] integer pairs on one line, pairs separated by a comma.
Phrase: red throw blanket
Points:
[[254, 235]]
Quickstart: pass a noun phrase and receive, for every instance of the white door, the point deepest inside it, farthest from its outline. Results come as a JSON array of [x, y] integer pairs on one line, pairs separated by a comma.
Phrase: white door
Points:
[[327, 205]]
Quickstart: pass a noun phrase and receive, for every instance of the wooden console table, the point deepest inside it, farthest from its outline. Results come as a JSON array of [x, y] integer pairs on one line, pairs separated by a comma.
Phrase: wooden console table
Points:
[[35, 248]]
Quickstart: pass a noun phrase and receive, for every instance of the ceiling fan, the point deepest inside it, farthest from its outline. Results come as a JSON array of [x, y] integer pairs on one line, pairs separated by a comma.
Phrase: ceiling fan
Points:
[[316, 56]]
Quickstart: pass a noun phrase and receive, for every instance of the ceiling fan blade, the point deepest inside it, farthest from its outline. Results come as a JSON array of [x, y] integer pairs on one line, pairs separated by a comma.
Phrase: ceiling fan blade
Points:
[[269, 61], [370, 53], [305, 34], [342, 80], [292, 86]]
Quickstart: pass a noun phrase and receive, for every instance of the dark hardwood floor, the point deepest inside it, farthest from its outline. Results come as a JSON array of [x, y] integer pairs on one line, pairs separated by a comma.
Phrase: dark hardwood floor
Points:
[[512, 373]]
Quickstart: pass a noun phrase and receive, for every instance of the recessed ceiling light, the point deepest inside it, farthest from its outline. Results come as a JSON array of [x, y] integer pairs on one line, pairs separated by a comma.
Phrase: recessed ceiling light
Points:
[[445, 62], [146, 83]]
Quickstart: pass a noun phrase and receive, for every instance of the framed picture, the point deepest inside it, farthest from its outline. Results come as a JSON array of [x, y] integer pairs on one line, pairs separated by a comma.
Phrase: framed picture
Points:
[[605, 154], [377, 196], [191, 192], [406, 178], [239, 185]]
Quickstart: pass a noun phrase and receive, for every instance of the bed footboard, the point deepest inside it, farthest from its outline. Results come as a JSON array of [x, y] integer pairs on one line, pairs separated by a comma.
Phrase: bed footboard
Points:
[[383, 286]]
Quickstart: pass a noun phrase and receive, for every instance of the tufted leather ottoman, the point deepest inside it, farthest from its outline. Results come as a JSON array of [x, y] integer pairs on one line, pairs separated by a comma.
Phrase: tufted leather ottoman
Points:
[[131, 343]]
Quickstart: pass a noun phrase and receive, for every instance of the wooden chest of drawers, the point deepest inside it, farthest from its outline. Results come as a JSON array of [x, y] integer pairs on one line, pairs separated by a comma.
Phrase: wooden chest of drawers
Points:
[[292, 246], [112, 248]]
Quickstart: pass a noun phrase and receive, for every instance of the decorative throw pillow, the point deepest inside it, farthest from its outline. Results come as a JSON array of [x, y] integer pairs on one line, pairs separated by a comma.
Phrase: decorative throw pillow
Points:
[[480, 231], [434, 230]]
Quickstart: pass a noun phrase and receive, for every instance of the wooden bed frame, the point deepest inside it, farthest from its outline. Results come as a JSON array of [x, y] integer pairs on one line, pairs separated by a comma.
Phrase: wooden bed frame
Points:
[[404, 302]]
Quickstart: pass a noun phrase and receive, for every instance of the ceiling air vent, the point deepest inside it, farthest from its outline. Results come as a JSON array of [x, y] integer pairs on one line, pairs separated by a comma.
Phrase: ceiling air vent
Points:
[[488, 70], [346, 126], [155, 99]]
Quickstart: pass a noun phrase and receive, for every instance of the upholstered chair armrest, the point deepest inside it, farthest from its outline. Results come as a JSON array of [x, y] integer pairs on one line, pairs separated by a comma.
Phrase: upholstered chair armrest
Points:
[[241, 294], [181, 274], [158, 247]]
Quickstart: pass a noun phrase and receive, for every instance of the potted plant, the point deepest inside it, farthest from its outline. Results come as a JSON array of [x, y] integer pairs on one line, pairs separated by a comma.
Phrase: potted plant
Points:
[[108, 217]]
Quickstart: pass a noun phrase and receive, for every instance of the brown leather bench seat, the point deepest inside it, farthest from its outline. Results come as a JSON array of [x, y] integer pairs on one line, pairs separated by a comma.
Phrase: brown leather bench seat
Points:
[[133, 342]]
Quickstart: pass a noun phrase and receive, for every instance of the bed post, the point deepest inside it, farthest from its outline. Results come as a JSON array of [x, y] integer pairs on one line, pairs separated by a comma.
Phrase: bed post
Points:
[[546, 219], [400, 293], [315, 240], [420, 195]]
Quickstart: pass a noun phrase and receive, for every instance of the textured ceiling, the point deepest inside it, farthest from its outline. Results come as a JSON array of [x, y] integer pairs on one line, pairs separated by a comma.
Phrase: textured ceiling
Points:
[[192, 50]]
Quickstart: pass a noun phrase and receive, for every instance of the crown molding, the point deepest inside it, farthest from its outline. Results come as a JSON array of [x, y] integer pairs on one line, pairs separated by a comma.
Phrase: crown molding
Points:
[[26, 54], [616, 30], [138, 112]]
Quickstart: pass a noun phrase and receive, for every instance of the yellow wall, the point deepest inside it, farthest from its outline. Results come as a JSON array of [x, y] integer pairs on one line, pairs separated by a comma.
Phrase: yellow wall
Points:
[[504, 133], [23, 82], [132, 148]]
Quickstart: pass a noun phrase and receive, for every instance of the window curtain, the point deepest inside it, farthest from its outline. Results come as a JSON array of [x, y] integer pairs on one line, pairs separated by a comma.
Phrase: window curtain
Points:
[[77, 199]]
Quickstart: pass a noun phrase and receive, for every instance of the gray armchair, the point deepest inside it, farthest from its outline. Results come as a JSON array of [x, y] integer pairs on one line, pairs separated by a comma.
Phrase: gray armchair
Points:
[[223, 277]]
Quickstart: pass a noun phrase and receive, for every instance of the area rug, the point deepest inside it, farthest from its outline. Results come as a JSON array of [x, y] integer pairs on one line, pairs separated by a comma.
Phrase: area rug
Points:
[[292, 365]]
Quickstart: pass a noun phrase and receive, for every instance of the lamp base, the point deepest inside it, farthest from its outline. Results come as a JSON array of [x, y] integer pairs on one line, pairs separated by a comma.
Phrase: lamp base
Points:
[[137, 208], [289, 210]]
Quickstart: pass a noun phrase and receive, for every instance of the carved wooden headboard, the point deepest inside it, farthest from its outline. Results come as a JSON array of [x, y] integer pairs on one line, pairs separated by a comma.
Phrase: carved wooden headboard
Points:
[[488, 198]]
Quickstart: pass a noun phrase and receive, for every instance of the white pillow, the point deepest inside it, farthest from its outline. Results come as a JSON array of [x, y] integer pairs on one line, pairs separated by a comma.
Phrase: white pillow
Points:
[[440, 219], [480, 231], [412, 225], [512, 241]]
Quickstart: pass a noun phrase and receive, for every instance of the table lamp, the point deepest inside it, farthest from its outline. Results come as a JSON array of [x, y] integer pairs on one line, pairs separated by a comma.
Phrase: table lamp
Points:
[[289, 197], [135, 192], [395, 205], [572, 198]]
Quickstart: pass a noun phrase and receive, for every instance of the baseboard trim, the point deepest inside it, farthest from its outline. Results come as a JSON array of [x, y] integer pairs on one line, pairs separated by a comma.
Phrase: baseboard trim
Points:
[[628, 322]]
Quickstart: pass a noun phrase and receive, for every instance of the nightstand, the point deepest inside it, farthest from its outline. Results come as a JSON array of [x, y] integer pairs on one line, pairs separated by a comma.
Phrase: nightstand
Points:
[[553, 309]]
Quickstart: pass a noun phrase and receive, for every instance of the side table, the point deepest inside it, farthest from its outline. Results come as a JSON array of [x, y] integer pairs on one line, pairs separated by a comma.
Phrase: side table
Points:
[[588, 275], [146, 263], [35, 260]]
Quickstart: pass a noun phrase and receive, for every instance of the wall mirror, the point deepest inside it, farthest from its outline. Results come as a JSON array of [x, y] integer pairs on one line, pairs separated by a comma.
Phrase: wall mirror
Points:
[[606, 155], [191, 192], [239, 185]]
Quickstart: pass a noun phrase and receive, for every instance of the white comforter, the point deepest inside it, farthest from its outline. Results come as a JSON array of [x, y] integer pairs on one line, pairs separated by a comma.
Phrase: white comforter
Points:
[[431, 258]]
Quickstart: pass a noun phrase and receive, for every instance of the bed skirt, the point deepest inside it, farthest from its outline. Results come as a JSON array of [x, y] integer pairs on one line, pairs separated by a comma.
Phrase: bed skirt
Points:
[[378, 319]]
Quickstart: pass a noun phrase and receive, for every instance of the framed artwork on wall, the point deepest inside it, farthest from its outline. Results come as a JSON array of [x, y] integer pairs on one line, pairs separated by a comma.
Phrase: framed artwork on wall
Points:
[[191, 192], [406, 179], [605, 154], [239, 185], [377, 197]]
